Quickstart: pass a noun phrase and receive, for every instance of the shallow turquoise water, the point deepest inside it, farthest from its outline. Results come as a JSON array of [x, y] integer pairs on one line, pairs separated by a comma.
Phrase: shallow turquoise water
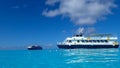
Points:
[[75, 58]]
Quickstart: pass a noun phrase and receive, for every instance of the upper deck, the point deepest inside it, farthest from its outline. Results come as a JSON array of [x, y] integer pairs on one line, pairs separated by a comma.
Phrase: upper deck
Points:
[[93, 37]]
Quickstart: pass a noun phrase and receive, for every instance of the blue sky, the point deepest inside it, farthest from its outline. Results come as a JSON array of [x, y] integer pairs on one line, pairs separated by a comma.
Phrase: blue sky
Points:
[[22, 23]]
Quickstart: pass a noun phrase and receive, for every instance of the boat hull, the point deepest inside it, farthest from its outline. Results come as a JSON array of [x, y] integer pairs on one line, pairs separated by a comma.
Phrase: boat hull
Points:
[[35, 48], [86, 46]]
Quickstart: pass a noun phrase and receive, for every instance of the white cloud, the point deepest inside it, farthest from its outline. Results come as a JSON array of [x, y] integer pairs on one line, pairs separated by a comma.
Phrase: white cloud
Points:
[[51, 2], [81, 11], [51, 13]]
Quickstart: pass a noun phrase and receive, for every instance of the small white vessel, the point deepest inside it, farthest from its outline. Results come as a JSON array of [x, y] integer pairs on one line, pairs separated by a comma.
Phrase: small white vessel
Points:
[[34, 47]]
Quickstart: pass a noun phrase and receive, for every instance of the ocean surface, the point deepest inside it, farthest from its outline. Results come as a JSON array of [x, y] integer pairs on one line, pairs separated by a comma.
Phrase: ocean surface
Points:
[[74, 58]]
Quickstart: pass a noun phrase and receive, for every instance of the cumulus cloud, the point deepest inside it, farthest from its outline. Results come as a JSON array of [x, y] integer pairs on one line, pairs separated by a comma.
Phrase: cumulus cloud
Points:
[[81, 11], [52, 2]]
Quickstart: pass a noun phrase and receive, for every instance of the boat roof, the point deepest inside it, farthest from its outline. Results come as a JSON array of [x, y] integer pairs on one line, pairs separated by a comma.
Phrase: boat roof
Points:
[[101, 34]]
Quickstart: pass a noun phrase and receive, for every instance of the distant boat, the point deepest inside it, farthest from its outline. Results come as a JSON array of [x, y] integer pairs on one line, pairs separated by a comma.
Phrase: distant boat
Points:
[[34, 47], [92, 41]]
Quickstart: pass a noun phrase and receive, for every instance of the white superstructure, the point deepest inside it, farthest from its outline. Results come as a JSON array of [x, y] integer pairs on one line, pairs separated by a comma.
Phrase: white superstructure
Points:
[[95, 39]]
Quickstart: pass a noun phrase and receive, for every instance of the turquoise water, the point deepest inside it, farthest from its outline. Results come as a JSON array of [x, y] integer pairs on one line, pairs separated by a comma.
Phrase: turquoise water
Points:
[[75, 58]]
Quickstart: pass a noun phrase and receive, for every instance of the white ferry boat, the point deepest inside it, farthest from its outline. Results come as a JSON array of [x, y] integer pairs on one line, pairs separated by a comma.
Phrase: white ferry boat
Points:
[[92, 41]]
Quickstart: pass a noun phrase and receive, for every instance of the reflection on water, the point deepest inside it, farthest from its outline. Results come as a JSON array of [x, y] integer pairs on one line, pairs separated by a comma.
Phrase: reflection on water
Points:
[[62, 58], [92, 55]]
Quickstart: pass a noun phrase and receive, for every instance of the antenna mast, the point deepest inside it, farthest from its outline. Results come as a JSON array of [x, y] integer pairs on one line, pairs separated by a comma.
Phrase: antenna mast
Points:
[[81, 30]]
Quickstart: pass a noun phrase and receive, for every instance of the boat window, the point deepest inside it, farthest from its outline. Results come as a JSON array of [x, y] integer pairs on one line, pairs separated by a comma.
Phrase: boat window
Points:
[[86, 41], [70, 41], [82, 40], [106, 41], [77, 35], [78, 41], [81, 35], [90, 40], [98, 41], [67, 41], [94, 40], [102, 40]]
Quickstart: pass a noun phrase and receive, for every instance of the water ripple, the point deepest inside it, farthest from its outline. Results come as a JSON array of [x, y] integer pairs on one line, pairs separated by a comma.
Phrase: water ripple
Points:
[[92, 55]]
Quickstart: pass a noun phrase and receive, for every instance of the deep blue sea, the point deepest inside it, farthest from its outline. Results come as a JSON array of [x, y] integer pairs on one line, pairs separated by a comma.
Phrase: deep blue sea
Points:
[[74, 58]]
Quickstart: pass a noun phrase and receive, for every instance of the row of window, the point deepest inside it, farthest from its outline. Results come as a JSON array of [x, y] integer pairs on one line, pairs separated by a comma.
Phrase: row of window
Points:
[[89, 41]]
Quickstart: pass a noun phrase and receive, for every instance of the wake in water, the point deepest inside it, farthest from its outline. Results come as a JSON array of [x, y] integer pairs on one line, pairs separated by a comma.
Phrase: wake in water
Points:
[[92, 55]]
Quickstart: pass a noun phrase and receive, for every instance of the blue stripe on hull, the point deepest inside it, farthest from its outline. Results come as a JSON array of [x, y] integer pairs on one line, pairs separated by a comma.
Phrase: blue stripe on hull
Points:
[[86, 46]]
